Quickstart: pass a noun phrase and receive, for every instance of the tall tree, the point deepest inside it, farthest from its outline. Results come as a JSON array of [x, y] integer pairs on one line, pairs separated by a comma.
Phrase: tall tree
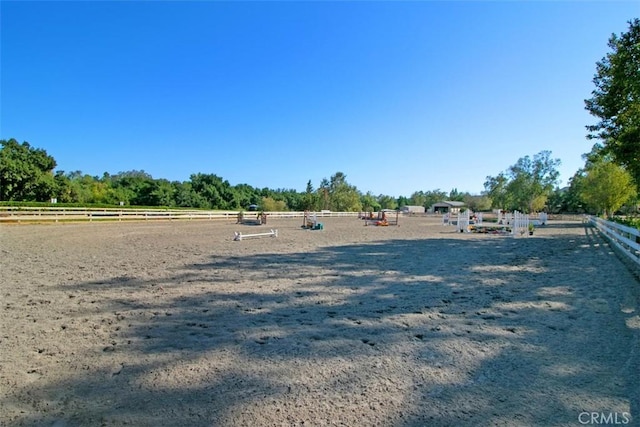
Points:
[[369, 202], [606, 186], [268, 204], [568, 199], [344, 197], [323, 194], [496, 189], [418, 198], [310, 198], [526, 185], [455, 195], [187, 197], [210, 188], [63, 187], [433, 196], [387, 202], [616, 100], [293, 200], [162, 193], [477, 203], [135, 186], [246, 195], [26, 173]]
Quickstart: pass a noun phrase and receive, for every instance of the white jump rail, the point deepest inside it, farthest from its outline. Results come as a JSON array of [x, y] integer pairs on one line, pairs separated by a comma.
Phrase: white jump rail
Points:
[[239, 236], [621, 236], [464, 220], [520, 223], [515, 223]]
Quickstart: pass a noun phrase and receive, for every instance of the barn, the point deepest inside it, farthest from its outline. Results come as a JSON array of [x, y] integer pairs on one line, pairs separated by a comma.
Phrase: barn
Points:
[[448, 206]]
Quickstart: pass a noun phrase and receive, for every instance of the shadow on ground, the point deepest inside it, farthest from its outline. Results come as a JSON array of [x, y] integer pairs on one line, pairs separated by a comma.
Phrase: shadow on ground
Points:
[[440, 332]]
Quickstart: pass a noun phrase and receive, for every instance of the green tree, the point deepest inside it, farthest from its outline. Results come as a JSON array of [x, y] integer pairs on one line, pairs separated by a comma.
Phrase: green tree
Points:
[[246, 195], [456, 196], [567, 199], [210, 188], [324, 199], [433, 196], [63, 187], [369, 202], [100, 192], [271, 205], [496, 189], [310, 198], [343, 197], [162, 193], [616, 101], [78, 188], [526, 185], [606, 187], [477, 203], [387, 202], [136, 186], [186, 196], [292, 199], [418, 198], [26, 173]]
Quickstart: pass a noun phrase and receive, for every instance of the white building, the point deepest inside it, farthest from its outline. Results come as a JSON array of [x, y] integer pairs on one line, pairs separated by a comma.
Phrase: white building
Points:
[[412, 209]]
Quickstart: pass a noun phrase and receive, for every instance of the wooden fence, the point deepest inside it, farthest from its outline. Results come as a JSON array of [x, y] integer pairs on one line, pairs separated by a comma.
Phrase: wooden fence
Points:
[[54, 214], [625, 238]]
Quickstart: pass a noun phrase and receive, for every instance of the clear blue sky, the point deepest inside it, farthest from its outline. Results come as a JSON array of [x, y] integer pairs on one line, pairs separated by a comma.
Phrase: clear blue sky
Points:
[[399, 96]]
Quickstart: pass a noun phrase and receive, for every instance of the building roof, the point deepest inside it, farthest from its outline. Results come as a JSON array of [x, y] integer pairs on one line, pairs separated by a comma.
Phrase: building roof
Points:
[[449, 203]]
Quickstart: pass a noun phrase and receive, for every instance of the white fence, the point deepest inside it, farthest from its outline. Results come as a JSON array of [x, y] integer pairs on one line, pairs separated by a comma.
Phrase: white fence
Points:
[[55, 214], [623, 237], [515, 223]]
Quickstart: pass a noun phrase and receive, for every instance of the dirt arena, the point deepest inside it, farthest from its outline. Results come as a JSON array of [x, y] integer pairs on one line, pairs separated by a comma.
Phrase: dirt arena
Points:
[[175, 324]]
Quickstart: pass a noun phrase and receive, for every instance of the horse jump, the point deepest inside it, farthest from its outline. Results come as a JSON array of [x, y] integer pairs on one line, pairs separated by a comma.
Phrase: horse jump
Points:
[[516, 223], [260, 219], [239, 236], [382, 219], [520, 223], [310, 221], [465, 221]]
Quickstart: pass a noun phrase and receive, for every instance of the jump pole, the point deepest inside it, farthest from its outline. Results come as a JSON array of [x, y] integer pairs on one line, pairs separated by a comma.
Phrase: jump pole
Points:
[[239, 236]]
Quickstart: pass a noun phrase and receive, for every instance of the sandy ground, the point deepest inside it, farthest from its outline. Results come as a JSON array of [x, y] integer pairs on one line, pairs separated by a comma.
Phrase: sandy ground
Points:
[[175, 324]]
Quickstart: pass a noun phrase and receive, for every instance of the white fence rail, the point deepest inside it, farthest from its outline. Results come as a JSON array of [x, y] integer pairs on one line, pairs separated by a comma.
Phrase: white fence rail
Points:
[[621, 236], [55, 214]]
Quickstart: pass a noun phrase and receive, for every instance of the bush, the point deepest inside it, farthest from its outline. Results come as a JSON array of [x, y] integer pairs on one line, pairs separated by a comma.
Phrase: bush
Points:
[[628, 221]]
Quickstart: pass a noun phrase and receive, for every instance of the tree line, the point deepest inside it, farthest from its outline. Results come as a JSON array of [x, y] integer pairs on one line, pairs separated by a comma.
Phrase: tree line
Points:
[[608, 181], [27, 174]]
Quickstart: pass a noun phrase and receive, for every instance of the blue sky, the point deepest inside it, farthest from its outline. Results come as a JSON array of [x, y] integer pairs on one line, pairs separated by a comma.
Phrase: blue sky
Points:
[[399, 96]]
